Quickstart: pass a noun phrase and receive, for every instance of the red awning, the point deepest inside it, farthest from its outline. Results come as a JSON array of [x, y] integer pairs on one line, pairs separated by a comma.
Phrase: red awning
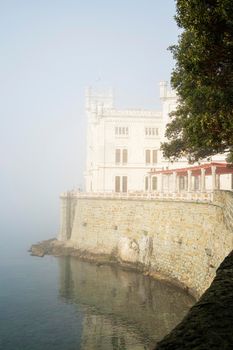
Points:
[[221, 168]]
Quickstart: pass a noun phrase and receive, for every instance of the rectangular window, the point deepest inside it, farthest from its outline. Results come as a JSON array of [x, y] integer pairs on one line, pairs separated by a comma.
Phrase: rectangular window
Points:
[[146, 183], [117, 183], [117, 156], [121, 131], [154, 183], [151, 156], [121, 156], [124, 156], [151, 131], [147, 156], [154, 156], [124, 184]]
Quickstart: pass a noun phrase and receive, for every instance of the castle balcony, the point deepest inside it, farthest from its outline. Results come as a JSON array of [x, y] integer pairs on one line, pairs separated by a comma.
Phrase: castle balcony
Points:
[[194, 183], [203, 197], [191, 181]]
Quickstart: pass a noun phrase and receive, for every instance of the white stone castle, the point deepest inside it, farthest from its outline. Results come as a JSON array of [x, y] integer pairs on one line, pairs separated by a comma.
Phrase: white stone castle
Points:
[[139, 209], [123, 147]]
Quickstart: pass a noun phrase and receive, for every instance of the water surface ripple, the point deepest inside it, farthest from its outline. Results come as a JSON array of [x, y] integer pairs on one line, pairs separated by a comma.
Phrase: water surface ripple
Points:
[[64, 304]]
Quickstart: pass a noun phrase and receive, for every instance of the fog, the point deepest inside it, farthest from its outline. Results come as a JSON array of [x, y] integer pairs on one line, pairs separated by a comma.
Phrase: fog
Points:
[[50, 52]]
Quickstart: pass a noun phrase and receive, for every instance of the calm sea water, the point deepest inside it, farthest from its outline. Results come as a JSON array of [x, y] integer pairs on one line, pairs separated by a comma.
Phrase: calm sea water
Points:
[[64, 304]]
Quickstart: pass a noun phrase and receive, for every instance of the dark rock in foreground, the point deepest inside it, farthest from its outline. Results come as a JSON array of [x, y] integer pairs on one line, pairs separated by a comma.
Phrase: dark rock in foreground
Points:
[[209, 323]]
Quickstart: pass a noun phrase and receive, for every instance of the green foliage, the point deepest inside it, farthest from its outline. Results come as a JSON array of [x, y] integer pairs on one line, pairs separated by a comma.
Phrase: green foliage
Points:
[[202, 125]]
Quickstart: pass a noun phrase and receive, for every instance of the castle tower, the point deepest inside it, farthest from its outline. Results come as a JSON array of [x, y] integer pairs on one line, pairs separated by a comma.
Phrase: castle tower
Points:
[[97, 104]]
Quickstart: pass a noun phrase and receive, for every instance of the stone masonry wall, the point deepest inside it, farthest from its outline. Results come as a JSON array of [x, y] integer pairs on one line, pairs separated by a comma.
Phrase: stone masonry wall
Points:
[[182, 241], [67, 214], [224, 199]]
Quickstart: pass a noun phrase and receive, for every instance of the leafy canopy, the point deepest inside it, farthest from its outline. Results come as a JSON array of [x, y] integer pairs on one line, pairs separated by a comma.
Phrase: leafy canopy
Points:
[[202, 125]]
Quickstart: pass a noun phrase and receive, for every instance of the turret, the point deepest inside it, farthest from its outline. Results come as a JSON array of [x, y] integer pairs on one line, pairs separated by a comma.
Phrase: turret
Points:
[[163, 89], [166, 92], [96, 101]]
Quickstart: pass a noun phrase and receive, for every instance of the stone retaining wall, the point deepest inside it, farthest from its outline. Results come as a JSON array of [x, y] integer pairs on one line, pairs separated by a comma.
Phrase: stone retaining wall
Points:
[[181, 241], [67, 214], [224, 199]]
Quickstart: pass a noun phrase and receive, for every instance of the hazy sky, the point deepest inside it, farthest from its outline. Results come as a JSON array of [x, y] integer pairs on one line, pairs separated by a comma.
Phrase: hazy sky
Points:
[[50, 50]]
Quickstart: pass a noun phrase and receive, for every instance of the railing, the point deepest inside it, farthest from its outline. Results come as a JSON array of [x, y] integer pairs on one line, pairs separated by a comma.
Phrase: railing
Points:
[[132, 113], [175, 196]]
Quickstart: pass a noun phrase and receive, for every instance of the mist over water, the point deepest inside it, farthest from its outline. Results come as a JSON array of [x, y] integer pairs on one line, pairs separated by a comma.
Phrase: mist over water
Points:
[[50, 52], [122, 310], [62, 303]]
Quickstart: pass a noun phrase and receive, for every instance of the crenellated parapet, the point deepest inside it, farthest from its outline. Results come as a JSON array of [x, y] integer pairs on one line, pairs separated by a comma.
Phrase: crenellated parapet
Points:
[[166, 92]]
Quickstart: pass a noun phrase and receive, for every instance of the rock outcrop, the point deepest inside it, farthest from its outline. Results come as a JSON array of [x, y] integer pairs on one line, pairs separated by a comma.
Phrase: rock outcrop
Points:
[[209, 323]]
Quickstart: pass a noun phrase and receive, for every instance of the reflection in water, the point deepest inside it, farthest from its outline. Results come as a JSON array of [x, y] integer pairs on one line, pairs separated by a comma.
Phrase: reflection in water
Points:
[[122, 310]]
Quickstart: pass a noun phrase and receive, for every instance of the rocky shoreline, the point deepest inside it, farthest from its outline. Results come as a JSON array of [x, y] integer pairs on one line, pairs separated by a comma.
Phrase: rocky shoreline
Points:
[[208, 325], [60, 248]]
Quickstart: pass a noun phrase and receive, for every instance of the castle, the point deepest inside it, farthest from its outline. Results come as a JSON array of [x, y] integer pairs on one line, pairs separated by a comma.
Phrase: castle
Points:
[[123, 147], [138, 210]]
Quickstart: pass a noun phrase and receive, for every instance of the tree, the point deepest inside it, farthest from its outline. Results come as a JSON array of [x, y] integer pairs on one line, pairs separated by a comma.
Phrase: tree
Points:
[[202, 125]]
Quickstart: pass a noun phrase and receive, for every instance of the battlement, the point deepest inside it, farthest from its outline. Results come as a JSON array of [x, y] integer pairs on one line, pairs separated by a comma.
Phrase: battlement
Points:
[[132, 113], [96, 100], [166, 92]]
